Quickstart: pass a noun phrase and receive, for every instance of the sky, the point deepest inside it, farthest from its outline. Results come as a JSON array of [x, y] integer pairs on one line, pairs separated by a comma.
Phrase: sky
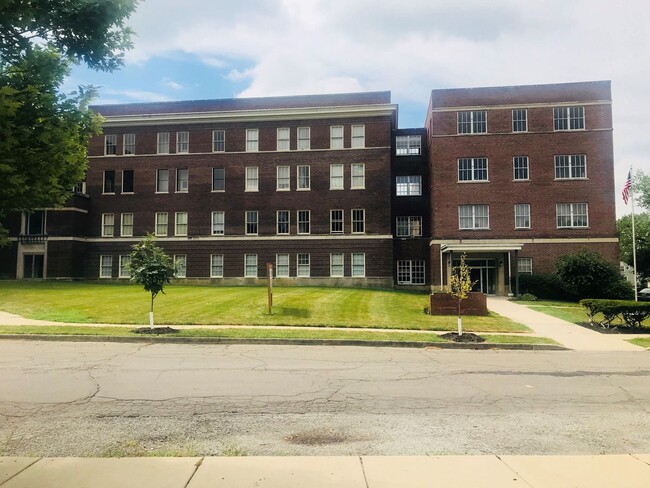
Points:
[[203, 49]]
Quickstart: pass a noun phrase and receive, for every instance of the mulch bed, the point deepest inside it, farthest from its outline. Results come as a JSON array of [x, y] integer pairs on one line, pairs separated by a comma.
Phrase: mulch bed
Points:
[[155, 330], [616, 330], [466, 337]]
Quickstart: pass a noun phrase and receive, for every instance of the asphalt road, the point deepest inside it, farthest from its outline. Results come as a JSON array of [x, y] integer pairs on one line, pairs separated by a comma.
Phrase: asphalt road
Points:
[[90, 399]]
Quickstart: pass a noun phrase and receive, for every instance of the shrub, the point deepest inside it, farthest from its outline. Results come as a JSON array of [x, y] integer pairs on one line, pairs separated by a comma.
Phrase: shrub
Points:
[[631, 313], [586, 274], [545, 286]]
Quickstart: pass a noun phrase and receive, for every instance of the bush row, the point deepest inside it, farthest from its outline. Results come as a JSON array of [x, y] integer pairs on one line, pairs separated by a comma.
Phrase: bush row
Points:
[[552, 287], [631, 313]]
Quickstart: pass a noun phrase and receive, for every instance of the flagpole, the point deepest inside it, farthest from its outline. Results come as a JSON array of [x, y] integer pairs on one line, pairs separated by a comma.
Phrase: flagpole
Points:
[[633, 241]]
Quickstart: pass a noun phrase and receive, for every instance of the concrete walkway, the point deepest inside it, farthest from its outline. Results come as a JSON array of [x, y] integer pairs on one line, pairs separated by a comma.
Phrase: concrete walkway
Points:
[[566, 333], [621, 471]]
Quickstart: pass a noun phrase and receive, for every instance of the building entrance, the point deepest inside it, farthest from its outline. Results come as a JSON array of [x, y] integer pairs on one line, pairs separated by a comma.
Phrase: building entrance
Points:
[[483, 273], [33, 266]]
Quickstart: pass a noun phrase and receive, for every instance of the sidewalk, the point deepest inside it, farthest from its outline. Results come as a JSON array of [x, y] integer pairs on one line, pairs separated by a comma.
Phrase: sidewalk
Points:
[[570, 335], [620, 471]]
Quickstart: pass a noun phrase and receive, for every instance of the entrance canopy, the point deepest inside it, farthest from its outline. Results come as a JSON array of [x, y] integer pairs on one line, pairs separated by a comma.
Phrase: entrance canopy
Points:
[[481, 247]]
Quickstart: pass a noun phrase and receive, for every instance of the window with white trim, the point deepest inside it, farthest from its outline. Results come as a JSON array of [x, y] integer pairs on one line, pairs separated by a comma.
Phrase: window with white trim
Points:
[[180, 263], [336, 177], [472, 122], [162, 221], [283, 139], [358, 221], [109, 182], [252, 140], [283, 179], [128, 144], [336, 221], [250, 265], [162, 181], [252, 178], [410, 272], [525, 265], [252, 222], [283, 224], [473, 217], [182, 142], [358, 265], [304, 178], [336, 137], [522, 216], [182, 180], [520, 168], [126, 227], [281, 265], [105, 266], [304, 138], [303, 270], [110, 145], [218, 179], [572, 215], [304, 221], [569, 118], [124, 271], [472, 169], [358, 136], [337, 265], [408, 186], [216, 266], [108, 225], [519, 120], [180, 227], [409, 226], [162, 146], [218, 223], [127, 180], [570, 166], [357, 176], [218, 140], [408, 145]]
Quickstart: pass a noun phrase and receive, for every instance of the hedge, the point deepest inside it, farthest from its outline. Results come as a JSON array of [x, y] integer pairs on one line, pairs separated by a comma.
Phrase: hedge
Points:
[[631, 313]]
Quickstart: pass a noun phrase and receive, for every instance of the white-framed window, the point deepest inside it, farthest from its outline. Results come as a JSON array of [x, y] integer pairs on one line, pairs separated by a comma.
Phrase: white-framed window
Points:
[[358, 136], [252, 178], [473, 217], [569, 118], [472, 169], [182, 142], [522, 216], [281, 265], [180, 227], [336, 221], [358, 221], [218, 223], [409, 226], [408, 186], [162, 146], [162, 221], [180, 263], [304, 138], [162, 181], [304, 178], [283, 222], [127, 180], [124, 271], [216, 266], [218, 140], [358, 265], [128, 144], [520, 168], [109, 183], [283, 139], [252, 222], [519, 120], [572, 215], [110, 145], [472, 122], [283, 178], [303, 269], [336, 137], [304, 221], [252, 140], [337, 265], [250, 265], [408, 145], [126, 227], [525, 265], [182, 180], [336, 177], [357, 176], [105, 266], [410, 272], [108, 225], [570, 166], [218, 179]]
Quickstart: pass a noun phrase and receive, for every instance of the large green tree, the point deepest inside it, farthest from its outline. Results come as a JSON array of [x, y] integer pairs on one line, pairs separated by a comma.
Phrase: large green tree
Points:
[[642, 232], [44, 133]]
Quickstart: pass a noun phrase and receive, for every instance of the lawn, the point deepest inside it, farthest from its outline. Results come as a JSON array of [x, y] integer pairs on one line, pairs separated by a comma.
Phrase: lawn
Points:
[[641, 341], [186, 304]]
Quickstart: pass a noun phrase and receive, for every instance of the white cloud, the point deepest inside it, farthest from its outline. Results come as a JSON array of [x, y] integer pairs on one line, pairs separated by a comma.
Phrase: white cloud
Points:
[[126, 96], [171, 84]]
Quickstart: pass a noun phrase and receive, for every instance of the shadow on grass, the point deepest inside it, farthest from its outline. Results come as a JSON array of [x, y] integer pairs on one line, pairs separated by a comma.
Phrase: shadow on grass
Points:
[[292, 312]]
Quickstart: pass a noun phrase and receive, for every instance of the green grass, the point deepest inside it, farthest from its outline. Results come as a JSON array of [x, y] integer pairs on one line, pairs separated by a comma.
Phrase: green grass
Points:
[[641, 341], [215, 305], [569, 311], [518, 339]]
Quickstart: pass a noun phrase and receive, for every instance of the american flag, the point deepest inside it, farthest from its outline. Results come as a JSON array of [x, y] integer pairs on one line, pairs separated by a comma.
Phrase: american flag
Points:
[[626, 187]]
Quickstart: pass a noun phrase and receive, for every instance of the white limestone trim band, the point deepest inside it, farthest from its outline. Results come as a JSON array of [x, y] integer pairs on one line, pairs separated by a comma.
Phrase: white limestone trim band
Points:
[[296, 238], [520, 105], [514, 242]]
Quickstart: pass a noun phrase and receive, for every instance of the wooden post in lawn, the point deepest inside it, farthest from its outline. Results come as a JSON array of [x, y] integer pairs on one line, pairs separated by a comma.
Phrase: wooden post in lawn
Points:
[[269, 285]]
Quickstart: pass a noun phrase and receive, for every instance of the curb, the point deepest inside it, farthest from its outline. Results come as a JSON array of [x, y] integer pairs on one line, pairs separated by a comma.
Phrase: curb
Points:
[[288, 342]]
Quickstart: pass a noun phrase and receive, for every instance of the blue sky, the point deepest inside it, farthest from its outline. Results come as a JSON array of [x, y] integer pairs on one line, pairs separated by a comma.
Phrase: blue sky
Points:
[[198, 49]]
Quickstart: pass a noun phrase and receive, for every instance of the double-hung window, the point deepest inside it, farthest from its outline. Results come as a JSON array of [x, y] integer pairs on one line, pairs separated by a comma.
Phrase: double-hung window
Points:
[[163, 143], [472, 169], [250, 265], [162, 181], [358, 265], [183, 142], [218, 223], [357, 176], [180, 228], [336, 177], [110, 144], [182, 180], [303, 270], [522, 216], [283, 178], [108, 225], [304, 178], [218, 179], [124, 271], [282, 265], [336, 137], [336, 221], [127, 181], [409, 226], [304, 221], [569, 118], [109, 182], [519, 120], [337, 262], [126, 228], [473, 217], [105, 266], [252, 222], [283, 222], [218, 140], [252, 140], [304, 138], [525, 265], [408, 145], [572, 215], [408, 186], [410, 272], [162, 221], [358, 221], [180, 263], [358, 136], [216, 266], [569, 167], [520, 168], [472, 122], [252, 178], [283, 139], [128, 144]]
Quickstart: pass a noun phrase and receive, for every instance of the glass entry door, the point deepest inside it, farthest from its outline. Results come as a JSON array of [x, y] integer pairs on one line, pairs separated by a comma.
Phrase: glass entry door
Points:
[[483, 273], [33, 266]]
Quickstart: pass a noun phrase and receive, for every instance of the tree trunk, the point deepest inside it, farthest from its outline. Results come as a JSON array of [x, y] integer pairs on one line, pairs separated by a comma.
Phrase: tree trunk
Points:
[[460, 321], [151, 313]]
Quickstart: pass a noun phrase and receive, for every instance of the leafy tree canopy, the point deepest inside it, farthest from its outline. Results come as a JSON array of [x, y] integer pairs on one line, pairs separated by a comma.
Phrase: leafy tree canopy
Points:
[[586, 274], [641, 189], [150, 266], [642, 231]]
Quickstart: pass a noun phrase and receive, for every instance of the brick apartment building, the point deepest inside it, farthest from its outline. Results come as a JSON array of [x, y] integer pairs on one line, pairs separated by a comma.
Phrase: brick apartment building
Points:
[[328, 189]]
